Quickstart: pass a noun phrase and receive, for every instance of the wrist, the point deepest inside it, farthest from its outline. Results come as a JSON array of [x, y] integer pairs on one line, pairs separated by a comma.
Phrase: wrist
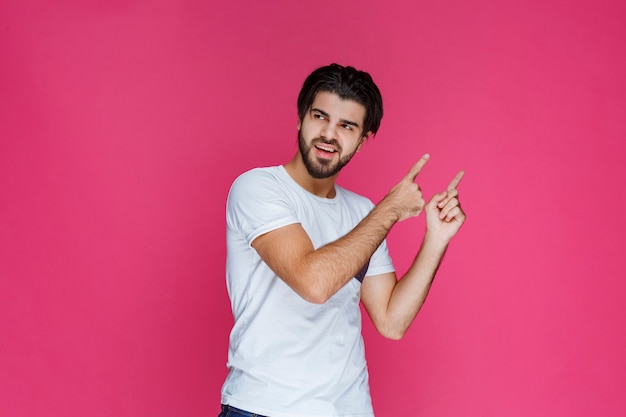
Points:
[[387, 208], [435, 241]]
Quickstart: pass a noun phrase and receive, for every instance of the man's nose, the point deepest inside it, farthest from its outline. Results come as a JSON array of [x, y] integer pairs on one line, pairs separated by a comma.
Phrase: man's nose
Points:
[[329, 131]]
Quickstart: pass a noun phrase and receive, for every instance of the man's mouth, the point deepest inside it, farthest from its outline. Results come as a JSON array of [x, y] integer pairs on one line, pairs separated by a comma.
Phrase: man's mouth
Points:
[[325, 148], [325, 151]]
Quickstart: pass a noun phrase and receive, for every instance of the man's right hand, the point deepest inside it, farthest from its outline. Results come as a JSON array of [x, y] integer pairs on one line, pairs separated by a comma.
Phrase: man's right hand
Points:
[[405, 198]]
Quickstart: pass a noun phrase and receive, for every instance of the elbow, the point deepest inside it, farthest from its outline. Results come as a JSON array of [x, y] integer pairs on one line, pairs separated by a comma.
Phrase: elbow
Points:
[[308, 288], [313, 291], [392, 333], [314, 297], [316, 300]]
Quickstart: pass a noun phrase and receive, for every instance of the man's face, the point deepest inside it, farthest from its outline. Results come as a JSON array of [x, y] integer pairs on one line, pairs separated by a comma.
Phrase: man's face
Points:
[[330, 134]]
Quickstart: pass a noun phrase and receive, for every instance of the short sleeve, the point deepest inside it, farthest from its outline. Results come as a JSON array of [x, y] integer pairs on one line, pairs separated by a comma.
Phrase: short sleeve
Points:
[[258, 203], [381, 262]]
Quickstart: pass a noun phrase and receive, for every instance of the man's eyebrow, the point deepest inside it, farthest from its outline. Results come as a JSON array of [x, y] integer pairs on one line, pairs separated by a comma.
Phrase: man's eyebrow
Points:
[[323, 113], [350, 122]]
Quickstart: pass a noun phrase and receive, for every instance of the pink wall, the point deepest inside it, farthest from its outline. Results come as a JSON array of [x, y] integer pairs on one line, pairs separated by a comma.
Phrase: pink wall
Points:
[[122, 124]]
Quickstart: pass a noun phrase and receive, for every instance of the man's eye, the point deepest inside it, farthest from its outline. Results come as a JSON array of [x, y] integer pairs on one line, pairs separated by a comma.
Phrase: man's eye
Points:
[[319, 116], [347, 126]]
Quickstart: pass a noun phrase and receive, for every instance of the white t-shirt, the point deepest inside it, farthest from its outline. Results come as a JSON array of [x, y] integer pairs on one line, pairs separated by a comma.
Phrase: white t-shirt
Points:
[[288, 357]]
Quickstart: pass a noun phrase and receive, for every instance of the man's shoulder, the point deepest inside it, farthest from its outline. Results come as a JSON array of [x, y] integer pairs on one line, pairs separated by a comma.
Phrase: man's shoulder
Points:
[[260, 172], [258, 177]]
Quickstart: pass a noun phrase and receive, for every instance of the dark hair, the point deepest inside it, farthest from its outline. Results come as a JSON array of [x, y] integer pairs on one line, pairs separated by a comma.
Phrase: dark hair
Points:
[[349, 84]]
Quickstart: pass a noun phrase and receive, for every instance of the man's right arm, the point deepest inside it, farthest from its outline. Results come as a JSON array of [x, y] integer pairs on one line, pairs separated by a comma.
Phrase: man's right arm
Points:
[[318, 274]]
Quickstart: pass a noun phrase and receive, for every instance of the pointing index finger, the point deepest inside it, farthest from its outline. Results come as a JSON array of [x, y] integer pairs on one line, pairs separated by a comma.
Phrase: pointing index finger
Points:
[[418, 167], [456, 180]]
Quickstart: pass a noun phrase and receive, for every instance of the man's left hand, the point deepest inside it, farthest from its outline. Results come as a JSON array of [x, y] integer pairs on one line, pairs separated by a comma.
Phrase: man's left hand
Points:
[[444, 216]]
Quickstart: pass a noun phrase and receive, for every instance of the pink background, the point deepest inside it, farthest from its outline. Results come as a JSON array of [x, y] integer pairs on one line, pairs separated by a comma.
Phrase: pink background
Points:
[[123, 123]]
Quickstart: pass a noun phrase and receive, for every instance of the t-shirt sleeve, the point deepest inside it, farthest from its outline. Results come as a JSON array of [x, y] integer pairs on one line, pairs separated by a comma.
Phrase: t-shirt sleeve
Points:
[[257, 204], [381, 261]]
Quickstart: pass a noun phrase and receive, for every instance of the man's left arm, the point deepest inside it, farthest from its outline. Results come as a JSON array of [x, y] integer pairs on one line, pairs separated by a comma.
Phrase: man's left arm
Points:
[[392, 304]]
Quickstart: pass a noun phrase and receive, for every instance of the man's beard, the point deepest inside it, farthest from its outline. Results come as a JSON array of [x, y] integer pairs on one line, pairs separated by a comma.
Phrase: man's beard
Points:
[[317, 167]]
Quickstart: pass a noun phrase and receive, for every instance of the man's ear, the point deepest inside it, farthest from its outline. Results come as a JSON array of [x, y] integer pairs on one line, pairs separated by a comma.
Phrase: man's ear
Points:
[[299, 124], [364, 139]]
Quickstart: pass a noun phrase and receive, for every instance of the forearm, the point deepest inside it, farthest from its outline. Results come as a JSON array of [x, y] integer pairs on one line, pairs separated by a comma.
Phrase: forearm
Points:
[[317, 274], [336, 263], [330, 267], [393, 304], [410, 292]]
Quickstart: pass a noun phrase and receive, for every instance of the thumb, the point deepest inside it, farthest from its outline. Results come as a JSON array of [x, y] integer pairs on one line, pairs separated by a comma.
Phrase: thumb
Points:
[[436, 199]]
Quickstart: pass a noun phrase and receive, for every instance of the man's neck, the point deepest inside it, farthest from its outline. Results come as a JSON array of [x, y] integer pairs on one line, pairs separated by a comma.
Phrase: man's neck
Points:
[[324, 187]]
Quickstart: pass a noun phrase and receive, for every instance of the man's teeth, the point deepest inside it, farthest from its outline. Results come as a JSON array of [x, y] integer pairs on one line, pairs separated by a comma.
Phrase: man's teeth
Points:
[[325, 148]]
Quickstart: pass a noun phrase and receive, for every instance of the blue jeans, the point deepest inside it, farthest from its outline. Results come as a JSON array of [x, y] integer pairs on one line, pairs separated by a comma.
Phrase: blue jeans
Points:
[[230, 411]]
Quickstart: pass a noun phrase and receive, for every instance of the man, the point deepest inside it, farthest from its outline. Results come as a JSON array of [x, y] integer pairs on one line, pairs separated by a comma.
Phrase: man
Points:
[[303, 251]]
